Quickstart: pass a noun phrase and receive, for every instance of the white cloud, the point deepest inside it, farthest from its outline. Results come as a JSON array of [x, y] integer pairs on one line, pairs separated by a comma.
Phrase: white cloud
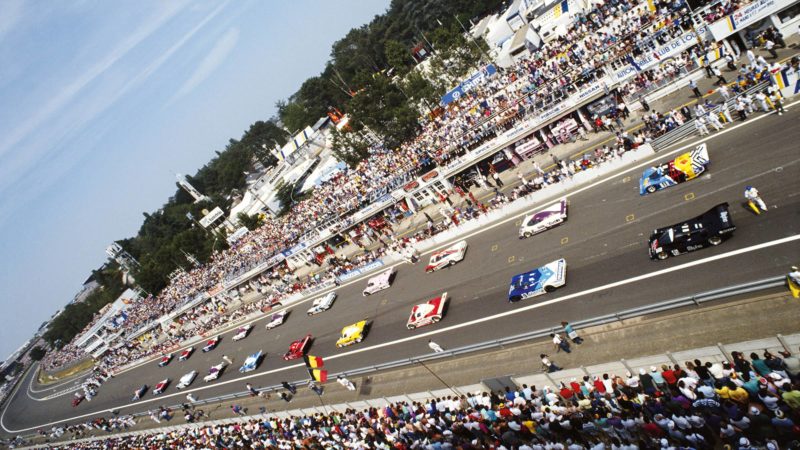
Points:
[[222, 48], [68, 113], [65, 96], [10, 15]]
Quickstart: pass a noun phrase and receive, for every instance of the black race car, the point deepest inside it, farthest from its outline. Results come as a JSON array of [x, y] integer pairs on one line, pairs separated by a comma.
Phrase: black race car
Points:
[[708, 229]]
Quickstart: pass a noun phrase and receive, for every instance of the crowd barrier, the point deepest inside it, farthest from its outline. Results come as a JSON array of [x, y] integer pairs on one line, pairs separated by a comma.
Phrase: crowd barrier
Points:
[[689, 129]]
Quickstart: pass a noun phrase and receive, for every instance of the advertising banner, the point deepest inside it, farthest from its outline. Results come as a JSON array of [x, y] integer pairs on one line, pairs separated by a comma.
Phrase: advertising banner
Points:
[[745, 16], [360, 270], [668, 50], [468, 84], [788, 81]]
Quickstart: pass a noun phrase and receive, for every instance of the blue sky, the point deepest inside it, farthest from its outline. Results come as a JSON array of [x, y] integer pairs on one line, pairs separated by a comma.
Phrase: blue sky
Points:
[[101, 103]]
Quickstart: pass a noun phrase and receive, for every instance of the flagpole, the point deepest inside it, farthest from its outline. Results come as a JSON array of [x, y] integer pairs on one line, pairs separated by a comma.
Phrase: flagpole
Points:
[[439, 378]]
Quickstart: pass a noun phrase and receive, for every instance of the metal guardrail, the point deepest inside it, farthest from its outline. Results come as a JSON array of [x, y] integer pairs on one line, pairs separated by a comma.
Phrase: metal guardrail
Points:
[[688, 128], [689, 300], [680, 302]]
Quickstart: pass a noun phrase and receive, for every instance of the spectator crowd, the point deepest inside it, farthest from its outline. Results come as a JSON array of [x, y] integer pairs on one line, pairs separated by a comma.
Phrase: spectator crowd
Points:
[[604, 38], [743, 404]]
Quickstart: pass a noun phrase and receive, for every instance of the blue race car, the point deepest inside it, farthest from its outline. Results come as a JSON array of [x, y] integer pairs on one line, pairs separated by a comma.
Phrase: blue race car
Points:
[[686, 166], [538, 281], [251, 363]]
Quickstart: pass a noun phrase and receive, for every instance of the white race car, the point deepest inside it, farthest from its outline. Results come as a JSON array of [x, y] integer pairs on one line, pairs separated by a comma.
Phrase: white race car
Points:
[[187, 379], [427, 313], [447, 257], [242, 332], [214, 372], [251, 363], [379, 282], [277, 319], [547, 218], [322, 304]]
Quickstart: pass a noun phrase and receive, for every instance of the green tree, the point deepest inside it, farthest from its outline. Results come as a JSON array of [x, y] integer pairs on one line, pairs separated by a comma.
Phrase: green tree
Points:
[[251, 222], [350, 147], [37, 353], [383, 108], [398, 56]]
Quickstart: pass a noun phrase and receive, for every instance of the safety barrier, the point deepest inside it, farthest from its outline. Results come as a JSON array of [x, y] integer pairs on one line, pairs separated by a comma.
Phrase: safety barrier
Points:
[[680, 302], [716, 352], [688, 129]]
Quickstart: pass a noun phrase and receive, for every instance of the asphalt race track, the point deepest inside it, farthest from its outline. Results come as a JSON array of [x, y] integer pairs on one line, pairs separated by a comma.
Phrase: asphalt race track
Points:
[[604, 242]]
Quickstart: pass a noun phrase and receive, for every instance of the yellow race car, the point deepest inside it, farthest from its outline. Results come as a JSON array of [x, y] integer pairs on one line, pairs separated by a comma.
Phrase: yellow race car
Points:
[[353, 334]]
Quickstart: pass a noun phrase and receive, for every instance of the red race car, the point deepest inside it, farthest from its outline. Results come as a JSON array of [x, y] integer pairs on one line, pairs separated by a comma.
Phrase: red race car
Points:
[[165, 360], [298, 348], [77, 399], [186, 354], [427, 313], [211, 344]]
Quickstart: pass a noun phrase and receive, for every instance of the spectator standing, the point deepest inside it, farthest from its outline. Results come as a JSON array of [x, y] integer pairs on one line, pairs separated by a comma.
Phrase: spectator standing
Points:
[[645, 105], [700, 125], [496, 178], [777, 102], [571, 333], [251, 390], [548, 365], [191, 398], [724, 92], [289, 387], [560, 344], [769, 46], [346, 383], [315, 387], [238, 410], [720, 78], [227, 359], [762, 100], [694, 88], [435, 347]]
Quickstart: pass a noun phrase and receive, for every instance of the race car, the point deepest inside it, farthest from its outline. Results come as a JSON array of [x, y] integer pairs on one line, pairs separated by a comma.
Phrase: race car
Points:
[[298, 348], [214, 372], [708, 229], [538, 281], [277, 319], [185, 354], [684, 167], [161, 386], [78, 398], [251, 363], [545, 219], [242, 332], [352, 334], [211, 344], [447, 257], [139, 393], [322, 304], [379, 282], [165, 360], [428, 312], [187, 379]]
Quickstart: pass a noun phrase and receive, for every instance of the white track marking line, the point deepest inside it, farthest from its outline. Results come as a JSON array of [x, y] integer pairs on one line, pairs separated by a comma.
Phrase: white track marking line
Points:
[[635, 279]]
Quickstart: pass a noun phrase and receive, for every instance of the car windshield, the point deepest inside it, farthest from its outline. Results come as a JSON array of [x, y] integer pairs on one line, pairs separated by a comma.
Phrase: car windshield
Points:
[[667, 237]]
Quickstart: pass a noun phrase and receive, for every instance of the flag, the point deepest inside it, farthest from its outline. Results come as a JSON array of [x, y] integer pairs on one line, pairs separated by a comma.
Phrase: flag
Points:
[[794, 288], [317, 375], [632, 62], [313, 362]]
